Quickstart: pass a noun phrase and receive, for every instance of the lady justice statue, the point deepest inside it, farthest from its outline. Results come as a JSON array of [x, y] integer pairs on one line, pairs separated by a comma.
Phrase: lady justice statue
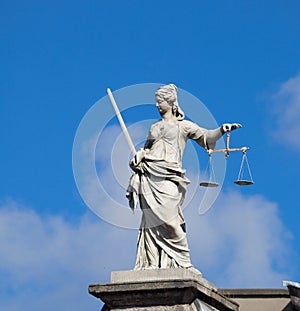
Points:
[[159, 183]]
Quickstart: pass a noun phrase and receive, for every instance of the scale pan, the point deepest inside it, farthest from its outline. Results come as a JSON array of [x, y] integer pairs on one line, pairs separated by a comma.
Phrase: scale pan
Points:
[[244, 182], [209, 184]]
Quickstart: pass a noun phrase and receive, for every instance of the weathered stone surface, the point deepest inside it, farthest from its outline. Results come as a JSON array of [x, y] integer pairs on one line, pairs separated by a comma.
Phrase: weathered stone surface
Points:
[[133, 276], [294, 290], [175, 290], [260, 299]]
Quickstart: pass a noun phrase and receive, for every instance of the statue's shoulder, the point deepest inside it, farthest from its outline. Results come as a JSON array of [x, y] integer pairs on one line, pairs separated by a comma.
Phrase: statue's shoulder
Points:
[[189, 128], [186, 124], [156, 124]]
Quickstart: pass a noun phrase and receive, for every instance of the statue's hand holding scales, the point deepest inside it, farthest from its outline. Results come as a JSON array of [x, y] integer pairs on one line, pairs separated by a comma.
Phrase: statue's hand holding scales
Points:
[[228, 127]]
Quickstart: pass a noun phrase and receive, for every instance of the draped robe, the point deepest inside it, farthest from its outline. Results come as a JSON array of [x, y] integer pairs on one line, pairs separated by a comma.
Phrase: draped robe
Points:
[[159, 185]]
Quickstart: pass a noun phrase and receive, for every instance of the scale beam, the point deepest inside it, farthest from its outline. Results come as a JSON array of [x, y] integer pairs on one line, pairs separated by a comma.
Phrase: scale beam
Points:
[[227, 150]]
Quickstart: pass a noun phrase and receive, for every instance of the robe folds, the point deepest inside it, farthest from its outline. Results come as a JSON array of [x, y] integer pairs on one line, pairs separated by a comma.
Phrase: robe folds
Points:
[[159, 186]]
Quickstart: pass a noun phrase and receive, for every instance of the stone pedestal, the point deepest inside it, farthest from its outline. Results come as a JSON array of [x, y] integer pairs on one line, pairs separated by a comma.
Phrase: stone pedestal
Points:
[[161, 289]]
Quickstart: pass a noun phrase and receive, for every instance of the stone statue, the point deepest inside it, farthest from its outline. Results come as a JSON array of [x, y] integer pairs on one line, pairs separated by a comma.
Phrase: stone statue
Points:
[[159, 183]]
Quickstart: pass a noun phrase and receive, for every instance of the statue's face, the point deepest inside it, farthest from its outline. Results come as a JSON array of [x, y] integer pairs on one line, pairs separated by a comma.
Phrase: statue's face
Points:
[[162, 105]]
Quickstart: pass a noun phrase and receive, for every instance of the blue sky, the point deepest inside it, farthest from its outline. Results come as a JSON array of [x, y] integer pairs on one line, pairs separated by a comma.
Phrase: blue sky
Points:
[[240, 58]]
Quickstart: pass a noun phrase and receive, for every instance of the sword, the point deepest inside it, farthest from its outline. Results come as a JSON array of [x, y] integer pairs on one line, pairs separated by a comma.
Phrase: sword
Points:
[[121, 121]]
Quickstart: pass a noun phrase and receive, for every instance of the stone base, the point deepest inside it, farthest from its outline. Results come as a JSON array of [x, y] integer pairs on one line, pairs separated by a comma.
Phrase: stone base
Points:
[[161, 289]]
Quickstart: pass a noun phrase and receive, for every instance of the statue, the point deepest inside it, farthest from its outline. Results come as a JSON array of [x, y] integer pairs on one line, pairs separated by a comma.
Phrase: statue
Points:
[[159, 184]]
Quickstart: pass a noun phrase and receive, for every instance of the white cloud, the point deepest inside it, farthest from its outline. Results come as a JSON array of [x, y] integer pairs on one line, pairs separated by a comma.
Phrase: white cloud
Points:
[[240, 242], [47, 263], [287, 113]]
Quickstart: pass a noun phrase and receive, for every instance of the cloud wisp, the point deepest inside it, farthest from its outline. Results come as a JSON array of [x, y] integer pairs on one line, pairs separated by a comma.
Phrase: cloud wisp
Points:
[[47, 263], [287, 113], [241, 242]]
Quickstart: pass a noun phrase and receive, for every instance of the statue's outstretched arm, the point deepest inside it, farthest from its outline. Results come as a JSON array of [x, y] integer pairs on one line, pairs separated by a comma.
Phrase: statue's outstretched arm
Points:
[[211, 136]]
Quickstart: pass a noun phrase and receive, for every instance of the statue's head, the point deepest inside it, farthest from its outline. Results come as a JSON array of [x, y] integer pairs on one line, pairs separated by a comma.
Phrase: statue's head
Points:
[[169, 94]]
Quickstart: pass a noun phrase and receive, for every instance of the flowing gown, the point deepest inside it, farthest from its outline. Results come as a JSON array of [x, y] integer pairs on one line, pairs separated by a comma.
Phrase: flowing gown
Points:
[[159, 185]]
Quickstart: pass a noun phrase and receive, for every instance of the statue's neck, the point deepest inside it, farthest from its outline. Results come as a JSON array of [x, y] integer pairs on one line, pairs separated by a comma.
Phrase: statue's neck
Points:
[[169, 117]]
